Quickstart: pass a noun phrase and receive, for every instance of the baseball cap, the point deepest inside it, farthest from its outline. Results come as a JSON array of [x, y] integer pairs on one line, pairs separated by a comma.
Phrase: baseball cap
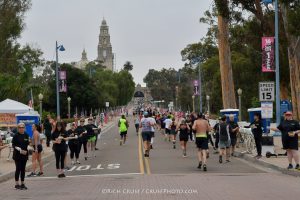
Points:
[[145, 113], [21, 125], [288, 113]]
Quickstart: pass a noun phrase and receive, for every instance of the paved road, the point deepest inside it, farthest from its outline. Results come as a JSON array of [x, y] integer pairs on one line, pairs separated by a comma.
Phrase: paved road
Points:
[[121, 172]]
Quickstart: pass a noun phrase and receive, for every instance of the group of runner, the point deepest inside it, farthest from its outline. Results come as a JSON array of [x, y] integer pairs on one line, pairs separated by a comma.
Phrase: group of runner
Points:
[[194, 127]]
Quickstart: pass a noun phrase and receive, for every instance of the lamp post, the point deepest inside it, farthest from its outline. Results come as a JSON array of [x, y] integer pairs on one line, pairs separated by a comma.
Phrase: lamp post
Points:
[[57, 48], [240, 91], [207, 100], [69, 107], [276, 10], [193, 97], [176, 99], [41, 104]]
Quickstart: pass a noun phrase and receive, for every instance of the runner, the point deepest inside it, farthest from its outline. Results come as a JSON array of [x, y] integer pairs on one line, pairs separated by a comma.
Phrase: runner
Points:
[[91, 135], [20, 144], [233, 133], [146, 133], [123, 127], [73, 144], [137, 123], [224, 139], [37, 151], [81, 132], [184, 130], [47, 129], [290, 130], [152, 130], [59, 137], [173, 132], [217, 138], [168, 123], [201, 126]]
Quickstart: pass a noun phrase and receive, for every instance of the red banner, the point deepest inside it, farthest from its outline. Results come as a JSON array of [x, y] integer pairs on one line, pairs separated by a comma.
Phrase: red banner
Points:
[[268, 55]]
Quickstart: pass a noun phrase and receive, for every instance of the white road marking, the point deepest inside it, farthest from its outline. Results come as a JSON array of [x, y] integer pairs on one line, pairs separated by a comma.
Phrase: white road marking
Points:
[[75, 176], [98, 167]]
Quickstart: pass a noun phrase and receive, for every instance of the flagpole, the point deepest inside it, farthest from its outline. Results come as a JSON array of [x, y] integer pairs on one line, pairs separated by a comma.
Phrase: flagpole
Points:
[[31, 98], [57, 87]]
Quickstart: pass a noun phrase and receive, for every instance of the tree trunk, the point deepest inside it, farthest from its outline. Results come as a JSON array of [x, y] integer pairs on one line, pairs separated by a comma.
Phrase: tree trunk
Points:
[[228, 92], [294, 64]]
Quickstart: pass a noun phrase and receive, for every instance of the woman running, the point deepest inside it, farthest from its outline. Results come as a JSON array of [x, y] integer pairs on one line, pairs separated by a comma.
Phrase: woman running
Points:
[[73, 144], [184, 131], [59, 137], [37, 152], [173, 132]]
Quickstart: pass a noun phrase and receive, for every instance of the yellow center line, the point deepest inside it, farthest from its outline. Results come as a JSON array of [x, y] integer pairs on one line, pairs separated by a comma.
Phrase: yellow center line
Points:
[[142, 168]]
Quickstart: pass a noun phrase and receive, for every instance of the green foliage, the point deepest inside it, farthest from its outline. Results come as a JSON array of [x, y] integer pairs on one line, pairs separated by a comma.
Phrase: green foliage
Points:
[[128, 66]]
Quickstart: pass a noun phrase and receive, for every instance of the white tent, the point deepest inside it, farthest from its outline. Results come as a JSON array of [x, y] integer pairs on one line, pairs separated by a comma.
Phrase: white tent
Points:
[[11, 106]]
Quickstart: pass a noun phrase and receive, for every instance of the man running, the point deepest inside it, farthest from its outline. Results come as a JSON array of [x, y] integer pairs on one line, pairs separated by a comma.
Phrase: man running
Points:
[[123, 127], [168, 123], [146, 132], [201, 126], [152, 121], [224, 139]]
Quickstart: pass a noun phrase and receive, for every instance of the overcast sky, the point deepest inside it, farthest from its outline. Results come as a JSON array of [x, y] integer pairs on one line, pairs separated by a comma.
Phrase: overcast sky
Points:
[[149, 33]]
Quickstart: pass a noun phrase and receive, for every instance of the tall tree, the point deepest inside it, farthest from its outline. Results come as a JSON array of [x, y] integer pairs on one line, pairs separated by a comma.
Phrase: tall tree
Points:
[[128, 66], [228, 92]]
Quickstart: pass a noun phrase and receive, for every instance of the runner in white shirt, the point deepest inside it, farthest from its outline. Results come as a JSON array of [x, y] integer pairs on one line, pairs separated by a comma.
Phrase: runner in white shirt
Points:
[[168, 123], [152, 120]]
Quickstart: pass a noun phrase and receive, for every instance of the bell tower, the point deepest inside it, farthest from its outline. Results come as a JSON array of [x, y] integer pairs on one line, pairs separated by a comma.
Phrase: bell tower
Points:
[[105, 53]]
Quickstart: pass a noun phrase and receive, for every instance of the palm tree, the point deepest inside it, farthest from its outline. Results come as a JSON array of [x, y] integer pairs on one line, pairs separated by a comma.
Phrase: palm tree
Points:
[[128, 66]]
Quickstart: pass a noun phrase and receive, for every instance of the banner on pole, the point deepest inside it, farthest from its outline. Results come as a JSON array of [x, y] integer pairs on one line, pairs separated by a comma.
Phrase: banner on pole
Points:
[[268, 55], [62, 81], [196, 87]]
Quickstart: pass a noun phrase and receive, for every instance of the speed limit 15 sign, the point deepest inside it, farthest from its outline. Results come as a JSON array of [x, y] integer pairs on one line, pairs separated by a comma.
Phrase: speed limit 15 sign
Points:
[[266, 91]]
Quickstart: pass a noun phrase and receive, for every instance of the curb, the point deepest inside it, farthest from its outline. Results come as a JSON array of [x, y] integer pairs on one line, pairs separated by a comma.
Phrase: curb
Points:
[[267, 165], [46, 160]]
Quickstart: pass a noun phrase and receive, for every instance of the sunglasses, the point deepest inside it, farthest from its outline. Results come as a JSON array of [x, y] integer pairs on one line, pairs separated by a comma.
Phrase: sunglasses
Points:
[[81, 121]]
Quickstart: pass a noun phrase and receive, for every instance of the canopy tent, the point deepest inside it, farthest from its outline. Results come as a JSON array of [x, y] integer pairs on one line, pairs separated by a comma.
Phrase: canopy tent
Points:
[[11, 106]]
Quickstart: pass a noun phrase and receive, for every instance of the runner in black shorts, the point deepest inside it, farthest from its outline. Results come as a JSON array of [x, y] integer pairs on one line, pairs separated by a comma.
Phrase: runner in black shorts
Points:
[[146, 133], [184, 131]]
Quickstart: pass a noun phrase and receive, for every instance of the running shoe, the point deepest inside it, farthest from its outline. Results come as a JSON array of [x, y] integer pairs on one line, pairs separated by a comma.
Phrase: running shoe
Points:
[[23, 187], [200, 165], [258, 157], [40, 174], [290, 166], [96, 149], [220, 159], [227, 161], [184, 155], [32, 174], [17, 187], [73, 163], [63, 175], [85, 158], [77, 162], [204, 168], [59, 175], [174, 146], [121, 142], [297, 167]]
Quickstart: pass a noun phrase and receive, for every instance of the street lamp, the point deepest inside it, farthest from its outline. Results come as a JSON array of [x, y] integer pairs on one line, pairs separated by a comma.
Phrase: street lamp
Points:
[[240, 91], [176, 99], [207, 100], [41, 104], [69, 107], [57, 48], [267, 2], [193, 97]]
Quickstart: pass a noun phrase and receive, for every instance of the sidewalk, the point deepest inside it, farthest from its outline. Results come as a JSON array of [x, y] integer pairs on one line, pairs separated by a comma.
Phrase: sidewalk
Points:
[[279, 163], [7, 167]]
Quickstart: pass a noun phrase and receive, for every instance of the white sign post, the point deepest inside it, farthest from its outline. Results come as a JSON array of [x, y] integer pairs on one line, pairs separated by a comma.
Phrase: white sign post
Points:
[[107, 104], [266, 91]]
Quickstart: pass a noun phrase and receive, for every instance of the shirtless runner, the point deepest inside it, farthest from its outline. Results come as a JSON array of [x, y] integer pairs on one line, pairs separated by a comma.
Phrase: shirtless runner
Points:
[[200, 127]]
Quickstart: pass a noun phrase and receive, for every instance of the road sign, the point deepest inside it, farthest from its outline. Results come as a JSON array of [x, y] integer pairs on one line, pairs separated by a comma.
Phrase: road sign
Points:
[[266, 91], [267, 110], [107, 104]]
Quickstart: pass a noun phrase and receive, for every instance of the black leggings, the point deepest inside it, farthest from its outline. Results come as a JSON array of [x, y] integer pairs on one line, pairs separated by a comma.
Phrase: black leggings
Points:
[[74, 148], [20, 169], [60, 157], [258, 140], [84, 143]]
